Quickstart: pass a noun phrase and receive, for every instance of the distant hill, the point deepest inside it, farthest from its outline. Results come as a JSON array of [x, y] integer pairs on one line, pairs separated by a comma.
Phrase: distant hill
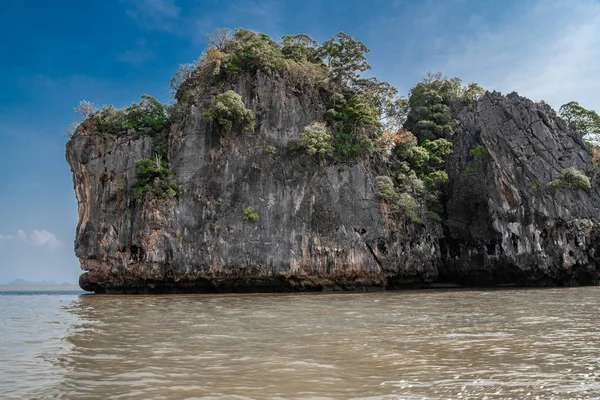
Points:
[[22, 282]]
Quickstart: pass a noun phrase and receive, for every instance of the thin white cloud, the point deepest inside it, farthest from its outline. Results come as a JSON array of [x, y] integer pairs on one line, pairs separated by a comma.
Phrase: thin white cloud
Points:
[[267, 13], [549, 52], [138, 55], [40, 238], [194, 23], [5, 237], [159, 15]]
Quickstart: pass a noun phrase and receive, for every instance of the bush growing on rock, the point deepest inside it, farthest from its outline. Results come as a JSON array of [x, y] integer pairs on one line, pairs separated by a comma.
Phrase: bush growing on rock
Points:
[[110, 120], [438, 150], [300, 48], [271, 150], [571, 178], [418, 157], [250, 215], [153, 178], [227, 113], [401, 141], [411, 207], [436, 180], [345, 58], [303, 75], [420, 169], [86, 108], [315, 142], [251, 51], [479, 151], [353, 120], [149, 117], [384, 188], [581, 119], [429, 115]]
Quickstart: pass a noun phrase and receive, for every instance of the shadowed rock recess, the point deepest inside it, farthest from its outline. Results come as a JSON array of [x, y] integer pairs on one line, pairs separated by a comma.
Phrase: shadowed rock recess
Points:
[[321, 226]]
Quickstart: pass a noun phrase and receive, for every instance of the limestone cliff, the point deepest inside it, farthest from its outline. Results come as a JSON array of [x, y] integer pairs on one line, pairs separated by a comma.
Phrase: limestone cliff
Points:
[[319, 227], [504, 222], [322, 226]]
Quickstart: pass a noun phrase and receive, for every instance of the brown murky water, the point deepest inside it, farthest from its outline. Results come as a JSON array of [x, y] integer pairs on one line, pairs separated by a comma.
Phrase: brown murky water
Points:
[[509, 344]]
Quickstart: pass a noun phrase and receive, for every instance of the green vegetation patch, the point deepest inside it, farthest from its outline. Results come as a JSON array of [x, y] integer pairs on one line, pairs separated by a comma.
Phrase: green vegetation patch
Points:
[[228, 113], [429, 115], [479, 151], [571, 178], [411, 207], [149, 117], [250, 215], [153, 179], [384, 188], [315, 142]]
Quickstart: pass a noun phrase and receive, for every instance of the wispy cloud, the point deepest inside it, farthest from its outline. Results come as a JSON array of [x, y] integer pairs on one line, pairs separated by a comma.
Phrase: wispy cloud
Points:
[[550, 52], [159, 15], [40, 238], [266, 13], [194, 23], [137, 56], [5, 237]]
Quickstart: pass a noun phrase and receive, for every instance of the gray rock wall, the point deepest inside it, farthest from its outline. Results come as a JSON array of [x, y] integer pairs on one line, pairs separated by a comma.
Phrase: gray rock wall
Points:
[[322, 227], [319, 228], [504, 224]]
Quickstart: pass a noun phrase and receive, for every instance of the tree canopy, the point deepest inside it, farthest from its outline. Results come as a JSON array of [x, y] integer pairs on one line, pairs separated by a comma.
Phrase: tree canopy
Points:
[[345, 58], [581, 119], [429, 115]]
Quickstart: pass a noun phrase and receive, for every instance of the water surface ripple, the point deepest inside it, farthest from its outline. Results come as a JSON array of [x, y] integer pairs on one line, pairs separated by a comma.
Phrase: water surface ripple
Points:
[[484, 344]]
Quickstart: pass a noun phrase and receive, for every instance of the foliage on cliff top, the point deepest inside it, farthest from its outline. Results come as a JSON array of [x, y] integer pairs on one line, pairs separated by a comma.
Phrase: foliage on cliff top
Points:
[[357, 107], [245, 51], [148, 117], [429, 104], [583, 120]]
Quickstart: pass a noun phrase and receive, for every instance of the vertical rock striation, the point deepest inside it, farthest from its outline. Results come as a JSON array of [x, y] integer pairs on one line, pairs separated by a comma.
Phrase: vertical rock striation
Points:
[[504, 223]]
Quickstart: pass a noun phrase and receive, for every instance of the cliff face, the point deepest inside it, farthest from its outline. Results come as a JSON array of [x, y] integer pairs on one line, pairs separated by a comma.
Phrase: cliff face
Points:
[[322, 227], [504, 224], [319, 227]]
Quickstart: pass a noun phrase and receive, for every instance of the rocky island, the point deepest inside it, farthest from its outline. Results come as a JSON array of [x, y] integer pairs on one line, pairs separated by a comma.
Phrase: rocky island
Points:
[[279, 167]]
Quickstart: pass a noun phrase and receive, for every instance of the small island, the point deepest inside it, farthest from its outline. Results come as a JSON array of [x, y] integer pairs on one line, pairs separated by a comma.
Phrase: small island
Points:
[[280, 167]]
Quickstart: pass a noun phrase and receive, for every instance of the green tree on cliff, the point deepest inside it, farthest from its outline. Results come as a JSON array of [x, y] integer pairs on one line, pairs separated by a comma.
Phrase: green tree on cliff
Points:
[[300, 48], [581, 119], [345, 58], [429, 115]]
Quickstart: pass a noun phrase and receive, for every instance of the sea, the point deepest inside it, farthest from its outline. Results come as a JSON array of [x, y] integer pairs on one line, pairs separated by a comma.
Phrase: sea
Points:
[[426, 344]]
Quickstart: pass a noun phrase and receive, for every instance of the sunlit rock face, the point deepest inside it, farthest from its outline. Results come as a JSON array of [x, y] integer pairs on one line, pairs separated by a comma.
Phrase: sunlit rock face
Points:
[[319, 227], [322, 227]]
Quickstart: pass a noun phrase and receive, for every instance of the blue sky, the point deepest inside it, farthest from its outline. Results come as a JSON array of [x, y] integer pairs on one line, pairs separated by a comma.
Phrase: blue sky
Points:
[[55, 54]]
